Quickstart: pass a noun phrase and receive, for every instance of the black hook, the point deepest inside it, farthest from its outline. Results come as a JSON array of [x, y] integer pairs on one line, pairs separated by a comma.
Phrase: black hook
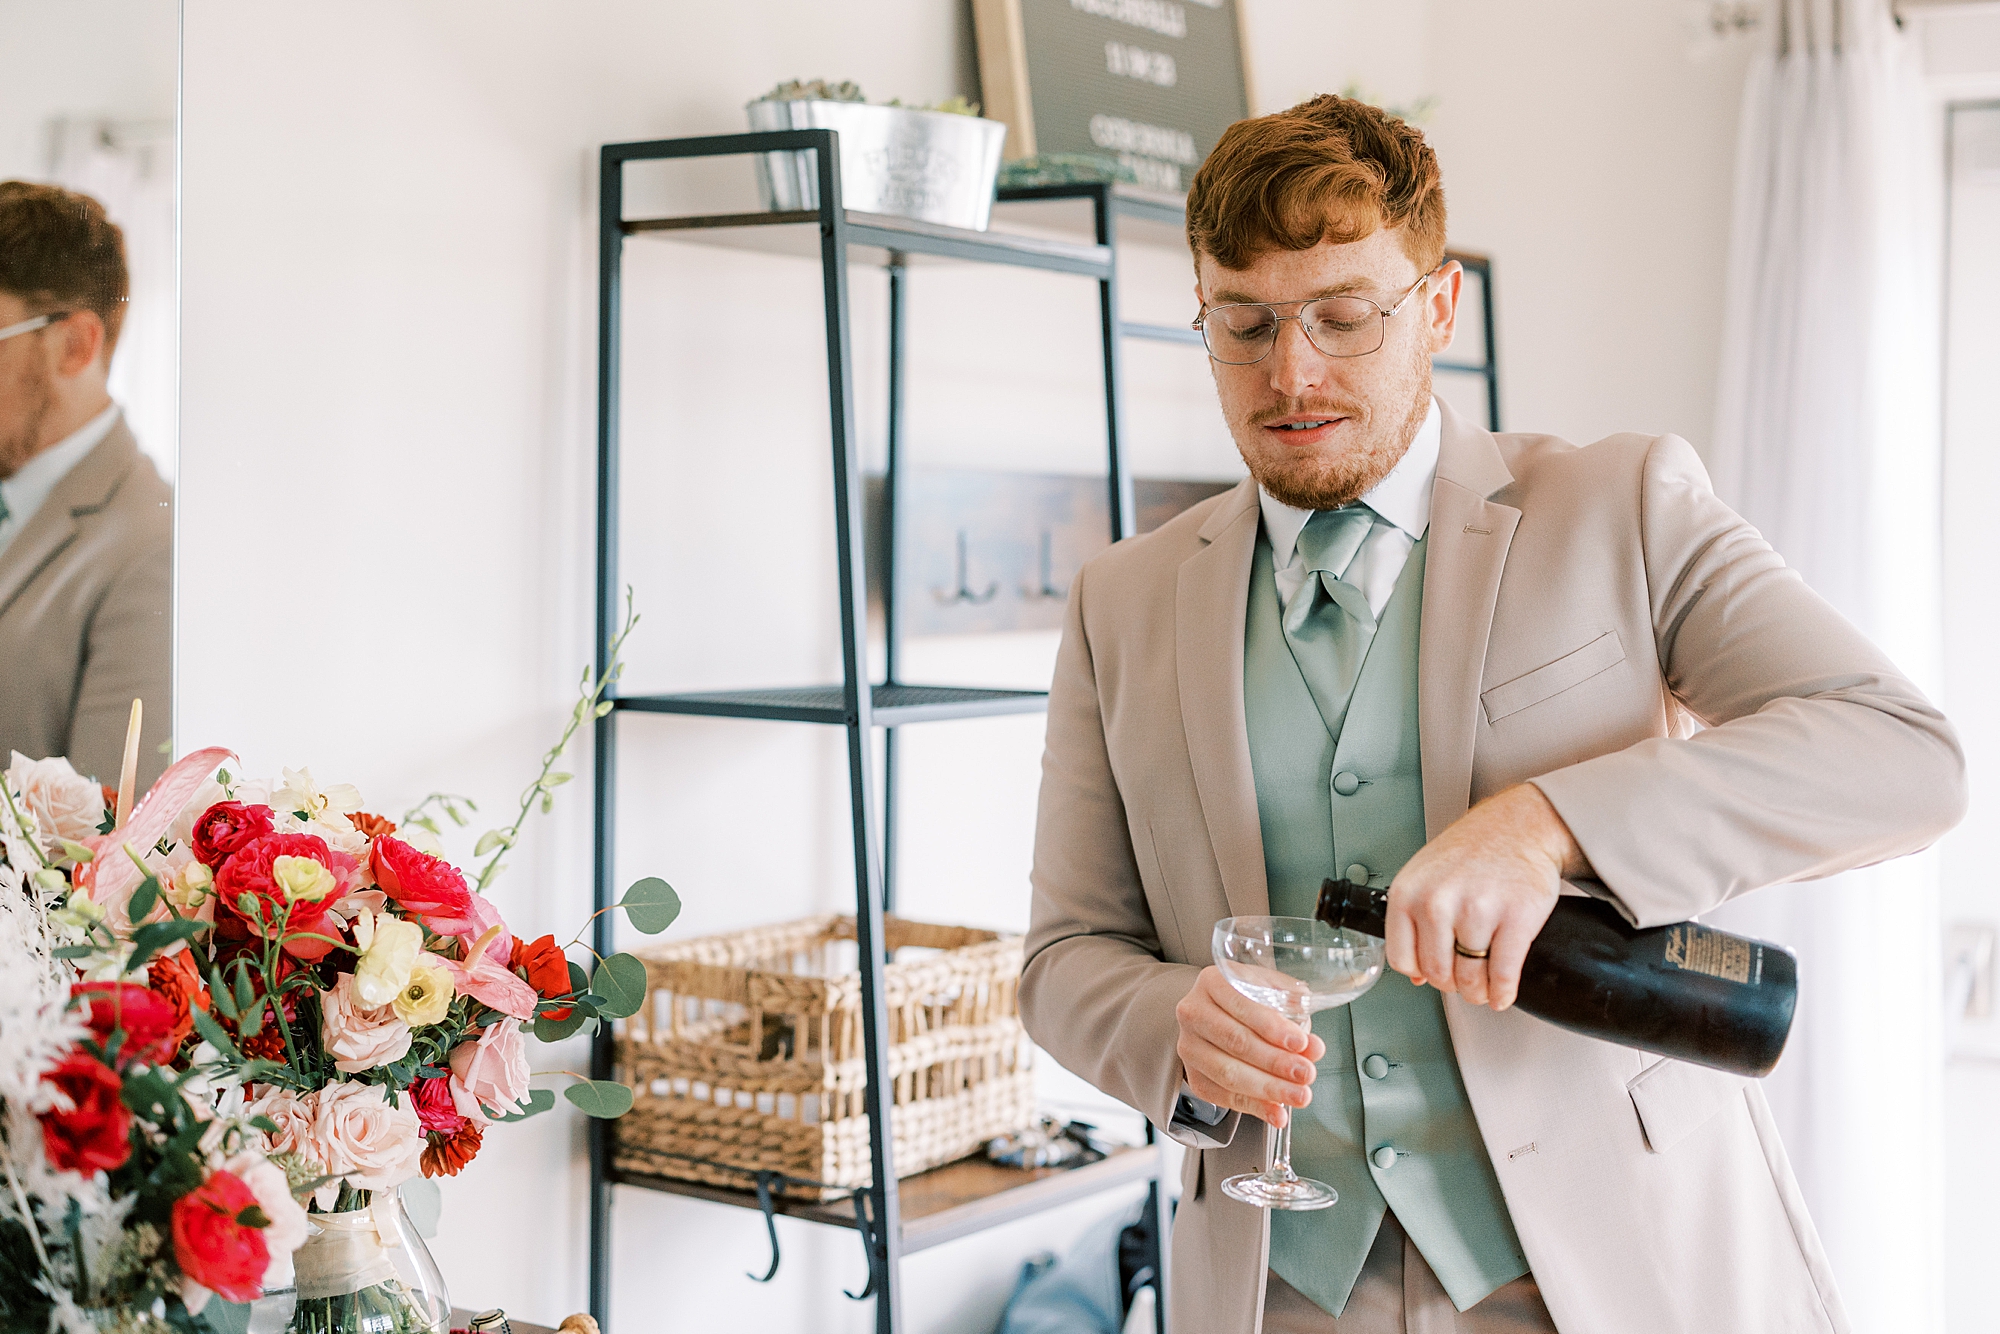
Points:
[[1047, 588], [864, 1223], [764, 1180], [964, 593]]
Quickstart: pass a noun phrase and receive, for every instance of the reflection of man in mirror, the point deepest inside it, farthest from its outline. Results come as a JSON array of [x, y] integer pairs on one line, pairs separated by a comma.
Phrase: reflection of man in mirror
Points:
[[86, 523]]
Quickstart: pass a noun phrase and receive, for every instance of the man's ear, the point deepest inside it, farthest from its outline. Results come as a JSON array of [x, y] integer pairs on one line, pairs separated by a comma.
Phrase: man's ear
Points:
[[82, 342], [1441, 305]]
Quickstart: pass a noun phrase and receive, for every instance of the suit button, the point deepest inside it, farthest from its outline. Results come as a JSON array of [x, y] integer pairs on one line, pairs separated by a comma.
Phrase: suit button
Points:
[[1376, 1066], [1357, 874], [1346, 784], [1384, 1158]]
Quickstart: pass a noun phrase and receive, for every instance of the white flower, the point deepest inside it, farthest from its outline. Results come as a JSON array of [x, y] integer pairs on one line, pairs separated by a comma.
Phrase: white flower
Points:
[[389, 950], [62, 802], [301, 796], [422, 839], [426, 997]]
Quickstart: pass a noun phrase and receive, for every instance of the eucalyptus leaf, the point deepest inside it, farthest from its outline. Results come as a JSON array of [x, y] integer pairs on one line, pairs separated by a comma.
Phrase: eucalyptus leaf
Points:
[[150, 939], [226, 1317], [651, 904], [537, 1102], [621, 981], [74, 951], [424, 1202], [600, 1098], [555, 1030], [578, 979]]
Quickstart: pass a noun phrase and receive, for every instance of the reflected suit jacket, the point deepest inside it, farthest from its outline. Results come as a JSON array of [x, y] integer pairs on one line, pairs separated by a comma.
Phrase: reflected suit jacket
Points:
[[1594, 621], [86, 616]]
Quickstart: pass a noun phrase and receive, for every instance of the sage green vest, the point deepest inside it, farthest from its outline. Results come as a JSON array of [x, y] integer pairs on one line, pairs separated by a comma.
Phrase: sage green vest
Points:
[[1355, 803]]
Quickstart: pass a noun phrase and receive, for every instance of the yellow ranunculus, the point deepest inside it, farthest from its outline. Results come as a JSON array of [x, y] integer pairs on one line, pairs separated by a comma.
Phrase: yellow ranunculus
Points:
[[302, 878], [389, 950], [426, 997]]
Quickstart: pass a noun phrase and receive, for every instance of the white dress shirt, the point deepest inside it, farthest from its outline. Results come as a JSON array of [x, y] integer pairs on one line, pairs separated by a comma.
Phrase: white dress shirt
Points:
[[1403, 498], [23, 493]]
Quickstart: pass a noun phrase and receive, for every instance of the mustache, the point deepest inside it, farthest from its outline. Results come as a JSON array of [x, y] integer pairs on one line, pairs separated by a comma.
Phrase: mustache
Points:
[[1301, 407]]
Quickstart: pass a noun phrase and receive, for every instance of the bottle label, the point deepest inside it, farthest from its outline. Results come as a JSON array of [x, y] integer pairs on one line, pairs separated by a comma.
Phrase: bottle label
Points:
[[1716, 953]]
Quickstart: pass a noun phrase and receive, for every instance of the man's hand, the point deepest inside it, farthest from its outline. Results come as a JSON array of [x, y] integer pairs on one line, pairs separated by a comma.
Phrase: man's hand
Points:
[[1241, 1055], [1488, 883]]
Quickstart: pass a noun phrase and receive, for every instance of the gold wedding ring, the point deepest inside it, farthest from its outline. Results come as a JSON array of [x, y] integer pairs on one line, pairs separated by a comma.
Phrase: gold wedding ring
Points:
[[1464, 953]]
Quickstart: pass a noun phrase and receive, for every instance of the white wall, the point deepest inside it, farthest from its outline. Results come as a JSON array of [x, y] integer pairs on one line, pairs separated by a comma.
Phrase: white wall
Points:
[[387, 458]]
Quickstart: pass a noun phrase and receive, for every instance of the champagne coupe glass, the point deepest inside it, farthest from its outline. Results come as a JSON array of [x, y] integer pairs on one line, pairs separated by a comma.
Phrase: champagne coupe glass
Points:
[[1297, 966]]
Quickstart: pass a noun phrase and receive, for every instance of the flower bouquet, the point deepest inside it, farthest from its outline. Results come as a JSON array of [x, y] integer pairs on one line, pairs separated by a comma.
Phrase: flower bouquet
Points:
[[236, 1018]]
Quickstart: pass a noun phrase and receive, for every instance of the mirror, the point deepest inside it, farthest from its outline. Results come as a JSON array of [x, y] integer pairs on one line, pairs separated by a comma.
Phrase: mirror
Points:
[[88, 387]]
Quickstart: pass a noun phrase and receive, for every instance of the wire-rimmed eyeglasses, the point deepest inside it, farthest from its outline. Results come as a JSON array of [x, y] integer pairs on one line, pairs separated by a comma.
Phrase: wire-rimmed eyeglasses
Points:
[[30, 325], [1244, 332]]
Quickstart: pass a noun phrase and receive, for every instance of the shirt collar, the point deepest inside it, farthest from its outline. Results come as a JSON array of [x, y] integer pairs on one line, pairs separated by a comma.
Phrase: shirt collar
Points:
[[34, 480], [1403, 497]]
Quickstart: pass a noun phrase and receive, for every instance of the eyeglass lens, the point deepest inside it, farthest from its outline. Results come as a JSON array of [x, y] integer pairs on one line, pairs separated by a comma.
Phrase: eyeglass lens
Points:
[[1339, 326]]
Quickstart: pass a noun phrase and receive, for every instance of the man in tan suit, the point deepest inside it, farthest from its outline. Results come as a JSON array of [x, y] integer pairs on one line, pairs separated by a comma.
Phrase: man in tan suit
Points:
[[86, 523], [1607, 680]]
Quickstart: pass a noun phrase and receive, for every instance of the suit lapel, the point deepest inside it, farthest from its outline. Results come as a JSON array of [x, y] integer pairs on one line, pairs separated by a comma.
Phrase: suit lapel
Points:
[[1469, 538], [1210, 601], [88, 487]]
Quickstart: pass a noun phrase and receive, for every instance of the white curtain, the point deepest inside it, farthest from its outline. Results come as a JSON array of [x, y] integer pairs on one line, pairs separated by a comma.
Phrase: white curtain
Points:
[[129, 168], [1828, 439]]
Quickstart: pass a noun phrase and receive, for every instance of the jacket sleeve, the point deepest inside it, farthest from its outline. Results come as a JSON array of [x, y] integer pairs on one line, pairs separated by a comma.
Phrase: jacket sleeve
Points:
[[127, 655], [1815, 756], [1095, 992]]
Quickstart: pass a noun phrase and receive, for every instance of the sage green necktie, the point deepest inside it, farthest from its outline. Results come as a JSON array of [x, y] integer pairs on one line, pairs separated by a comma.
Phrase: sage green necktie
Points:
[[1328, 622]]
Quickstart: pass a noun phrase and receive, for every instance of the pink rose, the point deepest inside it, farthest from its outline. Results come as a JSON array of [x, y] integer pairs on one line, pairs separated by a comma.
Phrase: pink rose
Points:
[[359, 1037], [293, 1116], [358, 1134], [63, 802], [490, 1073]]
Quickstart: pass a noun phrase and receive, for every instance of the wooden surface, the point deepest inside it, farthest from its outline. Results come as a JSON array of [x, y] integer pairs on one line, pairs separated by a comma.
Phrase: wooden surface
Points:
[[950, 1201], [461, 1318]]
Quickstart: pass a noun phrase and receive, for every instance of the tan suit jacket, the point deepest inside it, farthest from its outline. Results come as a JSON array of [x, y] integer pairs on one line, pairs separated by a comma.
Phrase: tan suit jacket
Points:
[[1594, 620], [86, 615]]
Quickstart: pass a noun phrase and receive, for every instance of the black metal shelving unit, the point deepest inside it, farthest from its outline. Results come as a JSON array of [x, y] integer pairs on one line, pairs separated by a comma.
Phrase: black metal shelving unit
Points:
[[895, 1217]]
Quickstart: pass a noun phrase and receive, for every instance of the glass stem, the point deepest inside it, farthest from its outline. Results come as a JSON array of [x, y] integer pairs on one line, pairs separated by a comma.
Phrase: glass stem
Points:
[[1281, 1159]]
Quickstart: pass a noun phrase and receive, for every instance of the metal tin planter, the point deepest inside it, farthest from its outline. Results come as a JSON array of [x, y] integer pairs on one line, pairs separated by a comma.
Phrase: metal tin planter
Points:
[[927, 165]]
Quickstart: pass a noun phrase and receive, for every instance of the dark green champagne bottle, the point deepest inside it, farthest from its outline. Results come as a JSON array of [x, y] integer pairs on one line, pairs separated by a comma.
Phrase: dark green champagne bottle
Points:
[[1687, 991]]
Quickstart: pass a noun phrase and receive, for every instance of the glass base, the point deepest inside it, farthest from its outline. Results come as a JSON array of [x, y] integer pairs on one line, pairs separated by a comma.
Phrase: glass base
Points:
[[1270, 1191]]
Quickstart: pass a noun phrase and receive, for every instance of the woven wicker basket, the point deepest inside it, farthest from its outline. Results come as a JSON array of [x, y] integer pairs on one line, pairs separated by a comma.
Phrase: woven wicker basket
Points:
[[748, 1052]]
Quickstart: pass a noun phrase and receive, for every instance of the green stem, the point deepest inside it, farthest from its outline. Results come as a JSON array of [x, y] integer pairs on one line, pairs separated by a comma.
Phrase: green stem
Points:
[[21, 824], [593, 693]]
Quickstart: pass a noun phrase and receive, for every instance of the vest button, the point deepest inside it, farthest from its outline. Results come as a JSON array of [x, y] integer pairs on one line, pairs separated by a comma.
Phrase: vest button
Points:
[[1357, 874], [1346, 784], [1384, 1158], [1376, 1066]]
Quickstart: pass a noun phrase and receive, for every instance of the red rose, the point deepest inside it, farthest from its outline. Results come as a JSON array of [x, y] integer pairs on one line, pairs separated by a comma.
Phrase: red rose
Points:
[[175, 979], [224, 1256], [225, 827], [146, 1017], [543, 966], [251, 870], [95, 1134], [436, 1112], [428, 888]]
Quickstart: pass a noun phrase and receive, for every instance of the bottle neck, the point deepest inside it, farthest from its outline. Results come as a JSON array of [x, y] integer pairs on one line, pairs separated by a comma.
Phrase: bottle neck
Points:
[[1356, 907]]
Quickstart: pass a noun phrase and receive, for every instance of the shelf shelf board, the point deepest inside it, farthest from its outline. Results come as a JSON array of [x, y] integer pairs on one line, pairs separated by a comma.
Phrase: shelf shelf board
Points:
[[948, 1202], [891, 705], [877, 238], [1161, 333]]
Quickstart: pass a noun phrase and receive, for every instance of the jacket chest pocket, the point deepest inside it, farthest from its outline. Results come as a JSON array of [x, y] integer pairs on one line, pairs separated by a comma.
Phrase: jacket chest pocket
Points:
[[1572, 669], [1675, 1099]]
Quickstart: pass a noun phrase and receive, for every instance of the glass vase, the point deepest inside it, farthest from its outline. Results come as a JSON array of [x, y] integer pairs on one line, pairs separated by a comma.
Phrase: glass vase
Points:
[[365, 1270]]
